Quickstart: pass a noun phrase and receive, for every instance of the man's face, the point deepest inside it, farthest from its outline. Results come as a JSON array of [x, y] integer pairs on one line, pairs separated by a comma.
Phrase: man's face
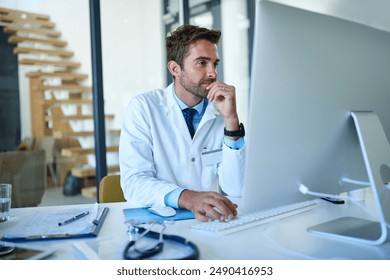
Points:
[[199, 68]]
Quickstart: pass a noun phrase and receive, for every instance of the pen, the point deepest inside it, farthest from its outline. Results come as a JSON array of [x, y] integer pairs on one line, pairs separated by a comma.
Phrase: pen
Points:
[[75, 218]]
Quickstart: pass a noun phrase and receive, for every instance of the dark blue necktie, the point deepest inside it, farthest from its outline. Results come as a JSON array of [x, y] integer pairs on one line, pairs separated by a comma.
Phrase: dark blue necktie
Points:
[[189, 114]]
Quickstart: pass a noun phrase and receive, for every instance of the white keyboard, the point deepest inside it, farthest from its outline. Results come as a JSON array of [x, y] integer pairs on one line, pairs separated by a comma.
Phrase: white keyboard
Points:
[[242, 222]]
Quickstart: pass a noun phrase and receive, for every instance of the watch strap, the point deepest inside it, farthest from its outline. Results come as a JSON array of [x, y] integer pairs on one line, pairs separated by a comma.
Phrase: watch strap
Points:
[[235, 133]]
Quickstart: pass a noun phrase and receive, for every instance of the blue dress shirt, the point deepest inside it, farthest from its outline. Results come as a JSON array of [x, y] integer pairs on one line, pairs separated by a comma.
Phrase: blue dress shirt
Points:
[[172, 198]]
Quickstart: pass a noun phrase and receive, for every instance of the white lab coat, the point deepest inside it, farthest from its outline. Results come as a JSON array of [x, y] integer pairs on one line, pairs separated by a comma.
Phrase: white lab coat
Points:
[[157, 154]]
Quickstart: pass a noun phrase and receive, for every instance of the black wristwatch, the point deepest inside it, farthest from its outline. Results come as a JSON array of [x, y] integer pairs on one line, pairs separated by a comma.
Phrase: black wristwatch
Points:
[[235, 133]]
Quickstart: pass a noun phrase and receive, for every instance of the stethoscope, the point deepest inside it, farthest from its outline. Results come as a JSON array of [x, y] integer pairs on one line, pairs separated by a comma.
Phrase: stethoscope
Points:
[[133, 252]]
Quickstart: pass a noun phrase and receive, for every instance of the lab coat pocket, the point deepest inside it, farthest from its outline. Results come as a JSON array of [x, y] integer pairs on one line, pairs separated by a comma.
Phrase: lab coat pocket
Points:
[[211, 157]]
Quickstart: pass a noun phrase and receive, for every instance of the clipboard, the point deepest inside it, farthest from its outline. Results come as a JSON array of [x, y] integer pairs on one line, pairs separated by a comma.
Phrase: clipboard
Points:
[[46, 226]]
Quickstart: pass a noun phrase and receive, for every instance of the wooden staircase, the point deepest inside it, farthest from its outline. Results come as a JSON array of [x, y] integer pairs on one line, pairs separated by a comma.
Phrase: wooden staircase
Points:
[[55, 89]]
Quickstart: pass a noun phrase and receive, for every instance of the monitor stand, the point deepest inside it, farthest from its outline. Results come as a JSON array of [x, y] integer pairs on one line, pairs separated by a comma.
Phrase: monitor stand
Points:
[[376, 154]]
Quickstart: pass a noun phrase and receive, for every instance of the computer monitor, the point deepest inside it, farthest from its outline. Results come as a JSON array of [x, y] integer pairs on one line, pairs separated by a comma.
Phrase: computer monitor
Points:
[[311, 69]]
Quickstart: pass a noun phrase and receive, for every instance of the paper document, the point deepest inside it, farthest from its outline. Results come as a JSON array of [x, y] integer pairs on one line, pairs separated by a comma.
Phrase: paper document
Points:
[[48, 225]]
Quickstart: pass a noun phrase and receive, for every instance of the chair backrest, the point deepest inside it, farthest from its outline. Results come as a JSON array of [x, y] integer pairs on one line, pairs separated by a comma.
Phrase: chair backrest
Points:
[[110, 189], [26, 171]]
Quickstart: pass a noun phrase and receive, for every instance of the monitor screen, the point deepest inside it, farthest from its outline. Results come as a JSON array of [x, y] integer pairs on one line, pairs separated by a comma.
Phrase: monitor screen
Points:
[[310, 70]]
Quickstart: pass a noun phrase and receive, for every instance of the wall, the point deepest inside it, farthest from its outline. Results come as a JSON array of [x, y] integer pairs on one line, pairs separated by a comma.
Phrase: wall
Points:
[[133, 50], [9, 96]]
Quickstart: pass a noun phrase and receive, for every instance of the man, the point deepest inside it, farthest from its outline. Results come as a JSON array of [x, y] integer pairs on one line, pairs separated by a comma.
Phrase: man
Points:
[[165, 162]]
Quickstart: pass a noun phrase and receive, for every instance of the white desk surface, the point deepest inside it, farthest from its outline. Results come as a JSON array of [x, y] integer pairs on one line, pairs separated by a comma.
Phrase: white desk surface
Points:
[[284, 239]]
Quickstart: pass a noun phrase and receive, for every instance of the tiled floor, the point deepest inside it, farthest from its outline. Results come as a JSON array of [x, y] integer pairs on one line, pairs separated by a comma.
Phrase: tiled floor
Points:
[[54, 196]]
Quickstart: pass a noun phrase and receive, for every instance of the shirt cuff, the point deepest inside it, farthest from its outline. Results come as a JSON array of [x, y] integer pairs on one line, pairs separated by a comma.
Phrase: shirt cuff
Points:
[[234, 144], [172, 198]]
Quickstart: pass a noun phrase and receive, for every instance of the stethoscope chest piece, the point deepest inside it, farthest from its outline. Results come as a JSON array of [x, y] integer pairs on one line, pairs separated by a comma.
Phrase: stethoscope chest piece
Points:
[[147, 244]]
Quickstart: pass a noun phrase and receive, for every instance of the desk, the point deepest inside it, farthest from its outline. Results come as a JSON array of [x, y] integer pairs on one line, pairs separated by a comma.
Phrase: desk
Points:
[[284, 239]]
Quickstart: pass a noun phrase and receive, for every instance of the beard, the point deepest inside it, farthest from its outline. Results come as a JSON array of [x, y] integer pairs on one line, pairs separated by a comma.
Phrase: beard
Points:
[[196, 88]]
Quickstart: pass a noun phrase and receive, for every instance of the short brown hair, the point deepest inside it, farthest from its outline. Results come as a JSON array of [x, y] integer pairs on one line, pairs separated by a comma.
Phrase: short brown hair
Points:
[[179, 40]]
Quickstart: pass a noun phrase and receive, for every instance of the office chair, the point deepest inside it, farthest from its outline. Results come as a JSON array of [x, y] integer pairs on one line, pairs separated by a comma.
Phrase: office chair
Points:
[[110, 189]]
